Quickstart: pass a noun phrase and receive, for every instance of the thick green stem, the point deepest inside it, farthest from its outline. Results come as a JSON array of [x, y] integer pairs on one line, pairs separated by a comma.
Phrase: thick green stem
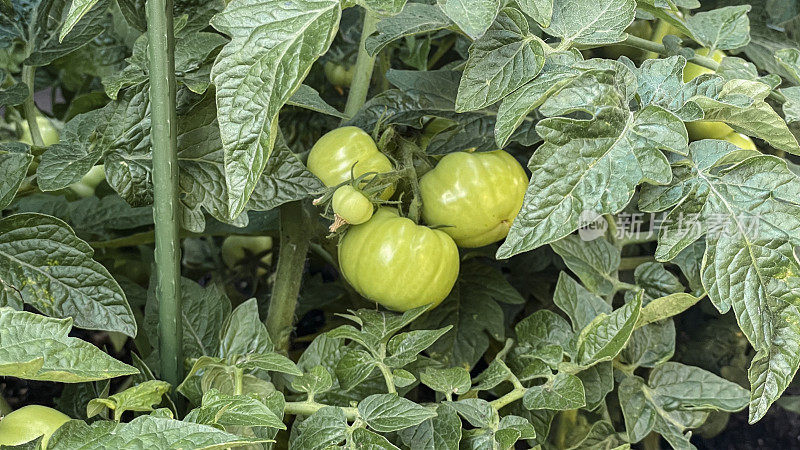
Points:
[[288, 274], [166, 208], [632, 262], [364, 66], [309, 408], [29, 106], [566, 426], [387, 377]]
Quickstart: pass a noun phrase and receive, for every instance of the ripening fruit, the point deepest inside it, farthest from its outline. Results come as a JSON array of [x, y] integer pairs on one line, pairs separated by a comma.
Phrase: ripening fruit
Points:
[[474, 197], [351, 205], [401, 265], [339, 150], [740, 140], [30, 422]]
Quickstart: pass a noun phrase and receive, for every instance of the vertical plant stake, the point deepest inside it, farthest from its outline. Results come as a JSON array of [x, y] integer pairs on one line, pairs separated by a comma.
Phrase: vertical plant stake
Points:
[[163, 132]]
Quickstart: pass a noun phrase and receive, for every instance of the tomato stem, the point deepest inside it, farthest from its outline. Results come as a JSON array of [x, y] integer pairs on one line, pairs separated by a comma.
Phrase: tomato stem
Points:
[[363, 68], [294, 244], [387, 377], [632, 262], [29, 106], [410, 173]]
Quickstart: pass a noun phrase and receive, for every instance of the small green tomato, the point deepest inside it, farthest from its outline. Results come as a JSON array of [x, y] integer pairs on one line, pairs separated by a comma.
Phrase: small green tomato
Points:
[[351, 205], [236, 248]]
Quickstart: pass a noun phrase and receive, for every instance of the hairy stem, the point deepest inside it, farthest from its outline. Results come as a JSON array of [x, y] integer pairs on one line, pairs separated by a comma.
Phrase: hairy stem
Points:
[[309, 408], [29, 106], [387, 377], [364, 66], [288, 274], [166, 208]]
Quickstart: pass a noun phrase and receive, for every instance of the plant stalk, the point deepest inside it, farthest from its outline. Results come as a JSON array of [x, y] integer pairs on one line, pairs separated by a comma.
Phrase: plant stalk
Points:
[[309, 408], [163, 134], [29, 106], [294, 244], [364, 66]]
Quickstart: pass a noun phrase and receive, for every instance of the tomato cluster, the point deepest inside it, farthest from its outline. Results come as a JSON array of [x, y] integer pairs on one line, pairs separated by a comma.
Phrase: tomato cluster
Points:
[[468, 200]]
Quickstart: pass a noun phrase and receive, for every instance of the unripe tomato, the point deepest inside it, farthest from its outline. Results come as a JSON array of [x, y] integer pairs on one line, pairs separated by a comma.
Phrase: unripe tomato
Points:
[[46, 129], [740, 140], [639, 28], [401, 265], [339, 75], [351, 205], [235, 249], [703, 129], [335, 153], [87, 185], [30, 422], [474, 197]]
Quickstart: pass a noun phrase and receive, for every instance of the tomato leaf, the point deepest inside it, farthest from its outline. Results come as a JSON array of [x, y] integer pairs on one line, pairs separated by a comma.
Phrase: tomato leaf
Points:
[[502, 60], [254, 81], [54, 272], [35, 347], [144, 431], [591, 22]]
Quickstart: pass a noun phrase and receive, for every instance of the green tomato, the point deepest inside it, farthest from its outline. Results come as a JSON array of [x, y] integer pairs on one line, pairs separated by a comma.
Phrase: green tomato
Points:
[[339, 75], [236, 249], [740, 140], [351, 205], [401, 265], [703, 129], [639, 28], [335, 153], [474, 197], [87, 185], [30, 422], [46, 129]]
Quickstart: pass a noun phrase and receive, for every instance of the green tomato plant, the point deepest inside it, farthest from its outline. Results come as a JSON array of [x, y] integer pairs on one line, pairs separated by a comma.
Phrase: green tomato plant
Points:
[[550, 224]]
